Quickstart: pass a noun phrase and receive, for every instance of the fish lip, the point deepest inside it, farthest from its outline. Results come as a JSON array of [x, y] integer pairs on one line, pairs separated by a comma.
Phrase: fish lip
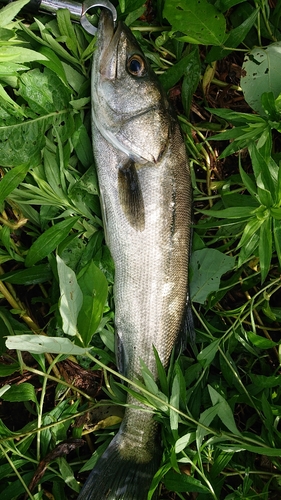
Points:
[[106, 27], [108, 39]]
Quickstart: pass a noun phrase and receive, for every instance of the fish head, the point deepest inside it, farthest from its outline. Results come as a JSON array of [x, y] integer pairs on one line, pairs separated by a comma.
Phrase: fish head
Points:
[[129, 106]]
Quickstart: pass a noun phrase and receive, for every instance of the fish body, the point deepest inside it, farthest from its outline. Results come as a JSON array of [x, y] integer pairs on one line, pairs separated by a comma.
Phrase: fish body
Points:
[[145, 191]]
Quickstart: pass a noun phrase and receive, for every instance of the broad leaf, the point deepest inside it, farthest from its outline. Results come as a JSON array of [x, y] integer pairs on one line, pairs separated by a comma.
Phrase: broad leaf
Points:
[[260, 74], [207, 267], [204, 25]]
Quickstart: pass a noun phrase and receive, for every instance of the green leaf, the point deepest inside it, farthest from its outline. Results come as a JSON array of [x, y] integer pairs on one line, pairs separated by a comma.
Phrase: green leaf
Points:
[[39, 344], [230, 213], [83, 147], [53, 174], [172, 76], [19, 54], [263, 382], [162, 377], [184, 441], [224, 411], [11, 180], [108, 339], [153, 388], [248, 182], [224, 5], [235, 37], [44, 91], [265, 247], [181, 483], [75, 79], [31, 276], [8, 100], [49, 240], [262, 450], [205, 419], [207, 267], [267, 411], [266, 183], [10, 11], [6, 370], [236, 117], [249, 249], [174, 401], [49, 39], [134, 15], [260, 73], [269, 106], [277, 238], [278, 188], [71, 298], [250, 229], [10, 69], [68, 474], [54, 63], [206, 356], [17, 142], [220, 463], [21, 392], [94, 288], [191, 79], [261, 342], [67, 30], [199, 20]]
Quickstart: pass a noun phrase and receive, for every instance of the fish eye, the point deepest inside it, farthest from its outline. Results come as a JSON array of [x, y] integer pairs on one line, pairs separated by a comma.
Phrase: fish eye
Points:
[[136, 65]]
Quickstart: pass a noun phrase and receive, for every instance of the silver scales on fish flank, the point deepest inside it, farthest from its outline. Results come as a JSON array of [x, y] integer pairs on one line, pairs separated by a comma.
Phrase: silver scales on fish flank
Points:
[[145, 194]]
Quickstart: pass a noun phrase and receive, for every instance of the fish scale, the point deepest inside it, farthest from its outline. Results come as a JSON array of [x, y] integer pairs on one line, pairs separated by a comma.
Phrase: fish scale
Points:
[[144, 183]]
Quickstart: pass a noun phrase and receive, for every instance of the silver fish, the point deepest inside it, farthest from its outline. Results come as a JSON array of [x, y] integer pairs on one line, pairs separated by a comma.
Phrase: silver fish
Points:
[[145, 190]]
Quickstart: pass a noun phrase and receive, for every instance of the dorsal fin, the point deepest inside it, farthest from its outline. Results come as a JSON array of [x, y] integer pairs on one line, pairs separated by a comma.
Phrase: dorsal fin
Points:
[[130, 195]]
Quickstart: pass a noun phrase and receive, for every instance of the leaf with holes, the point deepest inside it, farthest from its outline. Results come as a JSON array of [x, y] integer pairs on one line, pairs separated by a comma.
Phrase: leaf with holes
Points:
[[260, 74]]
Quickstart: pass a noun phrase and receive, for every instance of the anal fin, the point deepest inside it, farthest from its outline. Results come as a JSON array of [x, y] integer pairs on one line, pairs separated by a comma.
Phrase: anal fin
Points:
[[130, 195]]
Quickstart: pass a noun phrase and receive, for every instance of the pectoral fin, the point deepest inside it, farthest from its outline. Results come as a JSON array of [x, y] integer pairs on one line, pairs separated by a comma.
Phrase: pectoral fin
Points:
[[130, 195]]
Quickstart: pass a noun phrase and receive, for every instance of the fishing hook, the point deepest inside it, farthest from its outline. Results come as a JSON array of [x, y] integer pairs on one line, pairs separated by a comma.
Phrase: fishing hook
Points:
[[77, 11], [87, 5]]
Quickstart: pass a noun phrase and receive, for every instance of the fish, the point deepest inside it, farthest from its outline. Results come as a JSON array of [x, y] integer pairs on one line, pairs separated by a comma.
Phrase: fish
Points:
[[145, 189]]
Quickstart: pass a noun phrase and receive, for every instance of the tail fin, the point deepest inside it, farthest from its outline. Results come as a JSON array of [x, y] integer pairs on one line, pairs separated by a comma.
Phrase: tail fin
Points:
[[116, 478]]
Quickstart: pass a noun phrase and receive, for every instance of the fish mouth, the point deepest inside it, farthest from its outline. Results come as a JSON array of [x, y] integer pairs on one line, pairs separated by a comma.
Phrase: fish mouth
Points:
[[108, 38]]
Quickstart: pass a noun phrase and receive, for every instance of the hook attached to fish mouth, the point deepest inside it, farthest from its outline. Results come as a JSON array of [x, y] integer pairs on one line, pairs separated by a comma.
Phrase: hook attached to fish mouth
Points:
[[88, 5]]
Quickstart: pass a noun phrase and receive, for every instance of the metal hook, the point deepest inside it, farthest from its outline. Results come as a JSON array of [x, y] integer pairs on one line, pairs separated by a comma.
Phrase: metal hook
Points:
[[77, 11], [89, 4]]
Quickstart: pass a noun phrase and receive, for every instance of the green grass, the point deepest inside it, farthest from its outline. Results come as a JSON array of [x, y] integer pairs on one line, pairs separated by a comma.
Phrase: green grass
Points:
[[219, 405]]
